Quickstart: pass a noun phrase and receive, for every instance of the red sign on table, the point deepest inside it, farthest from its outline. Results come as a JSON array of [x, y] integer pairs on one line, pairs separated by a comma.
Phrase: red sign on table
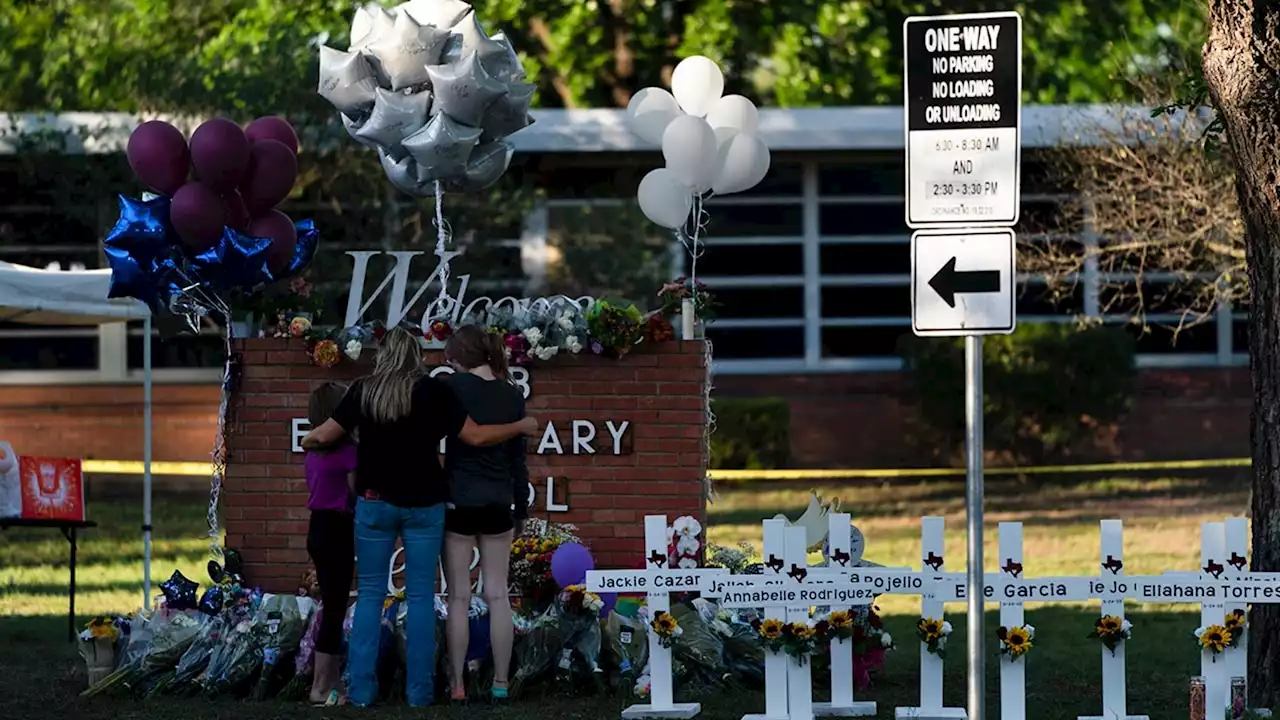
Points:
[[52, 489]]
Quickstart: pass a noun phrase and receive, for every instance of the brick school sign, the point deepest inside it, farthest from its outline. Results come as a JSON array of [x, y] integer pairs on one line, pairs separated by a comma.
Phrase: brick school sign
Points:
[[621, 439]]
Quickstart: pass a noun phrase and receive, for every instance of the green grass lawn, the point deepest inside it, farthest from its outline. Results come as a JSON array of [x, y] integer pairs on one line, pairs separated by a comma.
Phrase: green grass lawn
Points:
[[40, 673]]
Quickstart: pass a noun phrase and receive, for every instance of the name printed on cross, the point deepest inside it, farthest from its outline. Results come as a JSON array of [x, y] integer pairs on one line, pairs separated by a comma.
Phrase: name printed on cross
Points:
[[799, 595], [637, 581]]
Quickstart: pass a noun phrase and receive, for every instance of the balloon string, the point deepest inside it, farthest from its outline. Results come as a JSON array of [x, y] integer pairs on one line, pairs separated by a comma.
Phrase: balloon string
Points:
[[443, 233], [691, 237], [219, 454]]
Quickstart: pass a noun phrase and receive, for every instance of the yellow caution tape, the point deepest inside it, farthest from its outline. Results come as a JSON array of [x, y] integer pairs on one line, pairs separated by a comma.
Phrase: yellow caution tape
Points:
[[192, 469]]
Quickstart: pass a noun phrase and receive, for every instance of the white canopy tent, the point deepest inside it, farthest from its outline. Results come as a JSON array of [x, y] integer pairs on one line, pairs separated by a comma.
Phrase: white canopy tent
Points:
[[53, 297]]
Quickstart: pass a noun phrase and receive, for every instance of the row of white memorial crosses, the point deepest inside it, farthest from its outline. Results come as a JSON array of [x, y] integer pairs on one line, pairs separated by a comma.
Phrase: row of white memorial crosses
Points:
[[788, 588]]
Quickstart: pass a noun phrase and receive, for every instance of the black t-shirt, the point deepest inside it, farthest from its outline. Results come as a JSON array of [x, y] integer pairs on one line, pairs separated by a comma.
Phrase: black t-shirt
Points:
[[493, 475], [398, 460]]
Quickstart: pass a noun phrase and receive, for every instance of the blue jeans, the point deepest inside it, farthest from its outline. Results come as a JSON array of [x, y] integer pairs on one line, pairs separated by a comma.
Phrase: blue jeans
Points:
[[378, 524]]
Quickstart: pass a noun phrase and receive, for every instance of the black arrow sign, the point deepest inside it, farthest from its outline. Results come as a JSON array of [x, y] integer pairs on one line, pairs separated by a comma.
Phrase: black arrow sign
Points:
[[949, 282]]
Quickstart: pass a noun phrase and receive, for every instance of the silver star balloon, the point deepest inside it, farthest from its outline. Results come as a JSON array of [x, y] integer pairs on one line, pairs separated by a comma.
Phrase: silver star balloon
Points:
[[370, 24], [469, 37], [488, 162], [401, 56], [441, 148], [395, 116], [464, 90], [506, 68], [402, 173], [346, 81], [443, 14], [510, 113], [353, 127]]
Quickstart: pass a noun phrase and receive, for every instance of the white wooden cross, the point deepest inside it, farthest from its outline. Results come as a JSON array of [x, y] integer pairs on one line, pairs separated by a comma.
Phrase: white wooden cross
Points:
[[1013, 672], [1236, 535], [842, 555], [1114, 692], [932, 546], [799, 670], [657, 581]]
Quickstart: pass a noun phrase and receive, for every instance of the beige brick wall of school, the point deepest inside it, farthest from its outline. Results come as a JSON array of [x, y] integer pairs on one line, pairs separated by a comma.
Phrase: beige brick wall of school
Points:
[[851, 420], [654, 467]]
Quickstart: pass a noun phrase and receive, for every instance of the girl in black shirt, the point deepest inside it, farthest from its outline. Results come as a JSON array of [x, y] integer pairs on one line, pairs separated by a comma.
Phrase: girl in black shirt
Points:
[[488, 495]]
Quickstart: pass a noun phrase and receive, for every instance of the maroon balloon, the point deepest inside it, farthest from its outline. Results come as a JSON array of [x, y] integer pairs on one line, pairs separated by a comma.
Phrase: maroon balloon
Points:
[[234, 210], [220, 154], [284, 238], [158, 155], [273, 127], [273, 168], [197, 215]]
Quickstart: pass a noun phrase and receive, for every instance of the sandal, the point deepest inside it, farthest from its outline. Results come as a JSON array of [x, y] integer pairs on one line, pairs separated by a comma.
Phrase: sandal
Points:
[[335, 700]]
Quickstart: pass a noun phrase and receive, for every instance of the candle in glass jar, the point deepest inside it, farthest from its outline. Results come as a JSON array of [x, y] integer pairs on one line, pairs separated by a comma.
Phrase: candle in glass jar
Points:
[[1238, 701], [686, 319], [1197, 699]]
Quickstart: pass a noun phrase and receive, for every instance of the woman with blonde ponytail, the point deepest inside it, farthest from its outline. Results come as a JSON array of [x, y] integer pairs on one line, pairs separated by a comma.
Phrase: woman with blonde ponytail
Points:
[[401, 415]]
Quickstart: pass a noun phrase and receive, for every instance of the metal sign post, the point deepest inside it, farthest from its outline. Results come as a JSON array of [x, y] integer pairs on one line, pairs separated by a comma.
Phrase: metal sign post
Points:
[[962, 117]]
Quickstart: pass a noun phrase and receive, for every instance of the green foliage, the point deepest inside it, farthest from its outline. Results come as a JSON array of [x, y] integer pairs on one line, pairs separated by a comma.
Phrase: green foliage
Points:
[[1046, 388], [751, 434], [259, 56]]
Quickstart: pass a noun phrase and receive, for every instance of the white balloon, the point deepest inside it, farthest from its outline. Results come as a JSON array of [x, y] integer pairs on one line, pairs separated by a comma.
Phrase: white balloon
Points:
[[743, 161], [664, 199], [734, 111], [696, 84], [650, 112], [689, 147]]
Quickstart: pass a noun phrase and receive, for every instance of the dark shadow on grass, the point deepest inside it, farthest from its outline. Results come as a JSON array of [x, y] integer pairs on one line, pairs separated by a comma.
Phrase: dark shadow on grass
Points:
[[83, 585]]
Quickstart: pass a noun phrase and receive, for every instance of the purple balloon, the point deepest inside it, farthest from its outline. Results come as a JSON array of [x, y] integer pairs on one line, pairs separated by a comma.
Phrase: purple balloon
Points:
[[273, 127], [197, 215], [607, 601], [570, 563], [236, 214], [284, 238], [158, 155], [273, 168], [220, 154]]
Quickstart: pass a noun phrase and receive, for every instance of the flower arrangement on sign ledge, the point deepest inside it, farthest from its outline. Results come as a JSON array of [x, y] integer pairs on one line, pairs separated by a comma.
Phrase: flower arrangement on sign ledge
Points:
[[1111, 630]]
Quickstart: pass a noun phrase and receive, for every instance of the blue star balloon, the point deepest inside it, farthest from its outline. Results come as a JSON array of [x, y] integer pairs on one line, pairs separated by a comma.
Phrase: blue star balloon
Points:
[[237, 261], [142, 230], [179, 592], [303, 254], [129, 278]]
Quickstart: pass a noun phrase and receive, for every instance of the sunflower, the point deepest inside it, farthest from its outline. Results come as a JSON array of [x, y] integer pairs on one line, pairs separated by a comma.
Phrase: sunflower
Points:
[[1234, 622], [840, 620], [929, 628], [1015, 641], [1215, 638], [802, 631], [771, 629], [665, 627], [1108, 625], [326, 354]]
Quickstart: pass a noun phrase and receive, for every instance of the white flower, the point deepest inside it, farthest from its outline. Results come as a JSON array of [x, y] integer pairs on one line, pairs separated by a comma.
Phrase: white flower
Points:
[[545, 352], [1031, 631], [533, 335], [1125, 626], [671, 536], [572, 344], [85, 636], [565, 322], [687, 526], [886, 640], [688, 563], [946, 628], [687, 545], [353, 349], [1199, 632]]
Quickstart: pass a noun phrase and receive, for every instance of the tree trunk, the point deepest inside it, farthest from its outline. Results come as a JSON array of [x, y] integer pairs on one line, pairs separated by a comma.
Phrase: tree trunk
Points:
[[1242, 69]]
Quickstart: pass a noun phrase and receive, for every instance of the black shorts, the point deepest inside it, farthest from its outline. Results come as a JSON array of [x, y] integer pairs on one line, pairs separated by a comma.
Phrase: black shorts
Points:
[[475, 521]]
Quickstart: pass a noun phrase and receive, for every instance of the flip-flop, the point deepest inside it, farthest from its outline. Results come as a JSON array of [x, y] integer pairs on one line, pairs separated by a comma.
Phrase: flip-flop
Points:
[[334, 700]]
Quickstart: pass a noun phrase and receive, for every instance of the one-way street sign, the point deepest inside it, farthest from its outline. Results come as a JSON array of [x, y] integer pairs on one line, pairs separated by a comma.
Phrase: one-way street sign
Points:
[[963, 282]]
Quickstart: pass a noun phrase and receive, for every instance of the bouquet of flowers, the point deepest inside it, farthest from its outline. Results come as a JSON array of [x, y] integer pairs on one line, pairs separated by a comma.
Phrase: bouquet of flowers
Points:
[[1015, 641], [614, 328], [171, 633], [673, 294], [743, 655], [194, 660], [870, 643], [799, 640], [579, 612], [683, 544], [304, 661], [97, 645], [538, 647], [531, 562], [735, 559], [281, 622], [1111, 631], [694, 644], [234, 662], [625, 644], [1217, 638], [933, 633]]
